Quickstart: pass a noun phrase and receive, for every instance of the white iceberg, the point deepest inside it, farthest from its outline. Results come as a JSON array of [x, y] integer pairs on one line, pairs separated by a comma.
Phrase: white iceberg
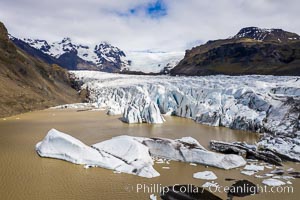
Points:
[[253, 167], [62, 146], [206, 175], [210, 185], [131, 155], [248, 173], [131, 152], [184, 151], [153, 197], [273, 182]]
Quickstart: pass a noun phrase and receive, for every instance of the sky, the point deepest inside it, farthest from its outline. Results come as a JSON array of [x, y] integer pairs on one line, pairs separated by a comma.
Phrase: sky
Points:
[[139, 25]]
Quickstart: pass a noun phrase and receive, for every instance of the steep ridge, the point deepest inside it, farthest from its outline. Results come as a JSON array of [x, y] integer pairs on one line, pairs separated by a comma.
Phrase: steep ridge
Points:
[[251, 51], [102, 57], [27, 83]]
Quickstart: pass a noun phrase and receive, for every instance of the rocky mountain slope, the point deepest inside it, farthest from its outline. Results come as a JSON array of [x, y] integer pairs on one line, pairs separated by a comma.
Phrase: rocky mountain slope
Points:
[[251, 51], [102, 57], [27, 83]]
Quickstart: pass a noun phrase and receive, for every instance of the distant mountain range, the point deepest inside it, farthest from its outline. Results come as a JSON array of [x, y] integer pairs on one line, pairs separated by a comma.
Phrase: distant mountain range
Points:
[[251, 51], [102, 57]]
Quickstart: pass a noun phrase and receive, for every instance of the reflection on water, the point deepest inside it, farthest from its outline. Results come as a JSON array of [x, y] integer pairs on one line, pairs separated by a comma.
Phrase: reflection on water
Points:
[[24, 175]]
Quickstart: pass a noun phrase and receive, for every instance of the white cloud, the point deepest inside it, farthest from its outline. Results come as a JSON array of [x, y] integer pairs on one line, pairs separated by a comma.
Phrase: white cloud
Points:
[[187, 21]]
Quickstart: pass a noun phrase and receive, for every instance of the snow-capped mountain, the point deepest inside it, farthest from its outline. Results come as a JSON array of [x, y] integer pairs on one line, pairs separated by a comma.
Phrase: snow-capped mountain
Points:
[[262, 34], [251, 51], [103, 57]]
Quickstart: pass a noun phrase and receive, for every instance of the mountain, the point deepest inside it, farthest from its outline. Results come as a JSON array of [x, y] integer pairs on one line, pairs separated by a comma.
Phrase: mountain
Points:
[[102, 57], [267, 35], [251, 51], [27, 83]]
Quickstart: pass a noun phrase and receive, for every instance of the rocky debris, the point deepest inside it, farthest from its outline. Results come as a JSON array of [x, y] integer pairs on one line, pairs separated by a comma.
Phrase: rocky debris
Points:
[[248, 151], [229, 179], [242, 188], [277, 172], [295, 174], [187, 192]]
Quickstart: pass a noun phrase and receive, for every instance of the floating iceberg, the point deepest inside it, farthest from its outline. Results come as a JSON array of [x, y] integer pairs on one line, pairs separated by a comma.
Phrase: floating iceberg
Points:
[[62, 146], [252, 167], [206, 175], [210, 185], [132, 155], [273, 182], [182, 150], [130, 151], [248, 173]]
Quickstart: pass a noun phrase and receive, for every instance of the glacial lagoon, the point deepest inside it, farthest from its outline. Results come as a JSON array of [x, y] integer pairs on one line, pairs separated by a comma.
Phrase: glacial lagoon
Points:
[[24, 175]]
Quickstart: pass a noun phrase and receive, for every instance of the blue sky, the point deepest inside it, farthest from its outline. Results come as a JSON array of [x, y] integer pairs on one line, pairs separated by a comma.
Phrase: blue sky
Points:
[[156, 25], [157, 9], [153, 9]]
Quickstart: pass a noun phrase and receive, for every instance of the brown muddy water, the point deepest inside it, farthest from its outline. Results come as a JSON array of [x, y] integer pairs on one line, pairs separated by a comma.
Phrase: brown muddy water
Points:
[[24, 175]]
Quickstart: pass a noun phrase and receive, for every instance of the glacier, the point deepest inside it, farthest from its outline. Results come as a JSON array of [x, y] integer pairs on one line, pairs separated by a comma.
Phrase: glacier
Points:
[[156, 62], [132, 155], [269, 105]]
